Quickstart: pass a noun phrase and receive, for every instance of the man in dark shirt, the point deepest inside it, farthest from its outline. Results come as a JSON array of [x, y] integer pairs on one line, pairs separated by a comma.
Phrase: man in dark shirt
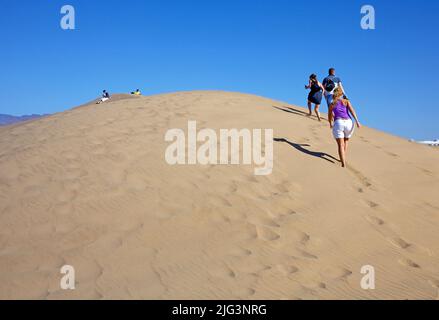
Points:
[[330, 83], [105, 94]]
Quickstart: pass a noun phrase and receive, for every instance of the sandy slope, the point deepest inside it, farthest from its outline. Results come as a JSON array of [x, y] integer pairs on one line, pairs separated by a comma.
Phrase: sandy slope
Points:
[[90, 188]]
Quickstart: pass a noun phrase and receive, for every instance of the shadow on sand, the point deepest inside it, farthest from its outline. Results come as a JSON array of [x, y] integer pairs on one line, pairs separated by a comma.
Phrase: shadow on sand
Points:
[[297, 112], [300, 147]]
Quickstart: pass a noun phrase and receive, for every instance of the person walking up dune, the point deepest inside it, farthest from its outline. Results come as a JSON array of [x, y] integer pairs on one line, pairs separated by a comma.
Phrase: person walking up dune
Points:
[[315, 95], [341, 123], [330, 83]]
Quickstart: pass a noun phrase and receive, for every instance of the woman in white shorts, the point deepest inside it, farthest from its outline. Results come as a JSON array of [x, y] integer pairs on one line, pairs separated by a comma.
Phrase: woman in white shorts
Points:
[[341, 123]]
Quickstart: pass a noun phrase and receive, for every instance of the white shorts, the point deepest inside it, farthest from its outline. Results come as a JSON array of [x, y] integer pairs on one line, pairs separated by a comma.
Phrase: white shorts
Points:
[[343, 129]]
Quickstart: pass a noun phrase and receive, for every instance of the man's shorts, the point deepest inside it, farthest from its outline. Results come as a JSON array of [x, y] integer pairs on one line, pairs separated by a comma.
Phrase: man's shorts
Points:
[[329, 98]]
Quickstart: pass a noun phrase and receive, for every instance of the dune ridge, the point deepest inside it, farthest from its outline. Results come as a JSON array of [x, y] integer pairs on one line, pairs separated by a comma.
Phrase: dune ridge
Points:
[[90, 187]]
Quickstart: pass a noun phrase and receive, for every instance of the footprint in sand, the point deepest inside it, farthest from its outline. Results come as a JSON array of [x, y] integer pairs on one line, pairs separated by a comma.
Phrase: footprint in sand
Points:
[[246, 292], [217, 217], [287, 269], [314, 133], [240, 252], [220, 201], [119, 157], [282, 215], [290, 213], [308, 255], [321, 285], [363, 179], [304, 238], [410, 247], [266, 233], [79, 237], [372, 204], [314, 285], [251, 179], [426, 172], [223, 272], [233, 187], [251, 267], [399, 243], [432, 206], [249, 233], [299, 237], [434, 283], [394, 155], [409, 263], [263, 221], [338, 273], [375, 220], [282, 188]]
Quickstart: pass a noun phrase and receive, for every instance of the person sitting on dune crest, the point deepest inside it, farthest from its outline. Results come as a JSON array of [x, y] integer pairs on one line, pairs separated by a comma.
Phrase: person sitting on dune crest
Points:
[[137, 93], [341, 123], [105, 97]]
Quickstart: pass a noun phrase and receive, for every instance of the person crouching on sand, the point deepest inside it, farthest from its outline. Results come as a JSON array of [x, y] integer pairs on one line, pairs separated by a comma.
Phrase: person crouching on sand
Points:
[[105, 97], [341, 123], [315, 95]]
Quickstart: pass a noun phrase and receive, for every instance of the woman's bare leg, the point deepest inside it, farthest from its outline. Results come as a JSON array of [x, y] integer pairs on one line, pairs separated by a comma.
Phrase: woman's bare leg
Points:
[[316, 109], [309, 108], [341, 151], [346, 142]]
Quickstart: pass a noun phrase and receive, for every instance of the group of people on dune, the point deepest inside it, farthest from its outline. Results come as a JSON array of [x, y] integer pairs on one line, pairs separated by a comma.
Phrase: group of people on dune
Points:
[[106, 96], [340, 109]]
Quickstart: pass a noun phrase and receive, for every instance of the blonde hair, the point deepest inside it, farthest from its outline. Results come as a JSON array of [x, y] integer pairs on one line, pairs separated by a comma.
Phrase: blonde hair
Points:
[[338, 93]]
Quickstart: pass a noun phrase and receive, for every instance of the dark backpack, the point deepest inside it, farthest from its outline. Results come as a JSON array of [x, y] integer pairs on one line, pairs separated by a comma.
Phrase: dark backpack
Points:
[[329, 84]]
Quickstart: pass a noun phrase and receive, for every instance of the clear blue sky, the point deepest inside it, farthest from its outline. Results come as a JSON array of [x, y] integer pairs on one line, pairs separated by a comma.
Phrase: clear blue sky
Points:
[[265, 47]]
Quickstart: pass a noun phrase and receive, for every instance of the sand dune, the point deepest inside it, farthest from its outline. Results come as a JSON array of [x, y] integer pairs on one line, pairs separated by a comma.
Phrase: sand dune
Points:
[[90, 187]]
